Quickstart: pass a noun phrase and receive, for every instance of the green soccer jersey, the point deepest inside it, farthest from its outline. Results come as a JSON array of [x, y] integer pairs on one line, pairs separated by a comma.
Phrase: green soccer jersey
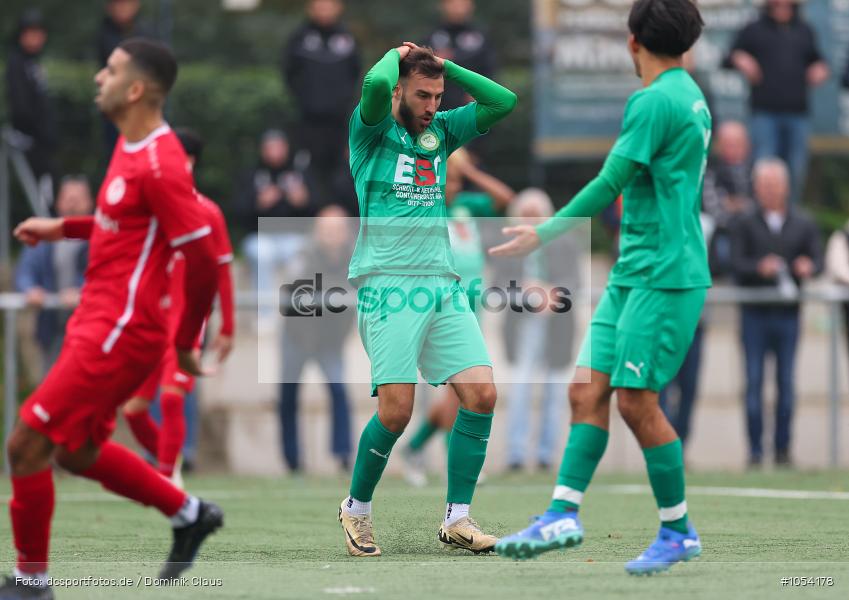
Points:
[[400, 183], [666, 129]]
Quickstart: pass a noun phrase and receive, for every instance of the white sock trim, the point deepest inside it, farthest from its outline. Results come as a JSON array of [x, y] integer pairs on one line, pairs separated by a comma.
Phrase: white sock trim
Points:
[[36, 579], [352, 506], [454, 512], [187, 514], [673, 513], [563, 492]]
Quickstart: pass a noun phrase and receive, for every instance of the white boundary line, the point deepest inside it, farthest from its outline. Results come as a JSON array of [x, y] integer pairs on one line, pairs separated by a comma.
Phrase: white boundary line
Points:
[[623, 489]]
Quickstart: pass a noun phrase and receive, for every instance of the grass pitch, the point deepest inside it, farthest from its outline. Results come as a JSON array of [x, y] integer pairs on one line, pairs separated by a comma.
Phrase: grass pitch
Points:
[[281, 540]]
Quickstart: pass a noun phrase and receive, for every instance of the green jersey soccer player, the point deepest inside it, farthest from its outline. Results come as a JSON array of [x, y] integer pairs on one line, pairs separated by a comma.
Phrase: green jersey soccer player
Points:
[[413, 314], [648, 314]]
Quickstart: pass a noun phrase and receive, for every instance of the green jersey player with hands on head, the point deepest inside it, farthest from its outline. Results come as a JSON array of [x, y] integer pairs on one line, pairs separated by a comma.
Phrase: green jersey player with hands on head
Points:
[[413, 314]]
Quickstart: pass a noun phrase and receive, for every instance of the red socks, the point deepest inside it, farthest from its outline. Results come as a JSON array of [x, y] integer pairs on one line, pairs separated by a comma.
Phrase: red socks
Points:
[[125, 473], [31, 509], [145, 430], [173, 431]]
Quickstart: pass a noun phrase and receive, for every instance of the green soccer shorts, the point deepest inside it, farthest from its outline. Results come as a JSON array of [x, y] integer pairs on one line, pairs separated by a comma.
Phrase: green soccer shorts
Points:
[[641, 336], [417, 323]]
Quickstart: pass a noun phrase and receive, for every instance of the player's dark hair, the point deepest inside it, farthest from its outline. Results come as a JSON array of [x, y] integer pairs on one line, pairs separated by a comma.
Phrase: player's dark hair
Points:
[[154, 59], [666, 27], [421, 61], [191, 141]]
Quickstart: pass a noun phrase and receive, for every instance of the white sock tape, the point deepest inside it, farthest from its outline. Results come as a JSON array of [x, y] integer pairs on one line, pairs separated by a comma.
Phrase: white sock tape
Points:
[[673, 513], [562, 492]]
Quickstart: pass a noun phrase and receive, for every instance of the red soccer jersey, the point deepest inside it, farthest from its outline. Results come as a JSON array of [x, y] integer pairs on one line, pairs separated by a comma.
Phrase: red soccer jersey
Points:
[[177, 265], [146, 207]]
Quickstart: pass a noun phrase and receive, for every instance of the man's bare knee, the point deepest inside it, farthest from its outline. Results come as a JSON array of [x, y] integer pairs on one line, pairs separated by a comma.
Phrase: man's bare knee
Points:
[[29, 451], [481, 398], [395, 406], [633, 405], [79, 460]]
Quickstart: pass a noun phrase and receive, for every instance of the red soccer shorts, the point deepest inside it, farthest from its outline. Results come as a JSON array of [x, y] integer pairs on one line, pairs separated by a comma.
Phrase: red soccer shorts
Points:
[[78, 399], [167, 373]]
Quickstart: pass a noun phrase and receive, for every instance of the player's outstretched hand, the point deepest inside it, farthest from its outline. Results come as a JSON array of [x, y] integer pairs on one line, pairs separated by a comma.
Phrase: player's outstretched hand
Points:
[[39, 229], [189, 362], [222, 346], [525, 240]]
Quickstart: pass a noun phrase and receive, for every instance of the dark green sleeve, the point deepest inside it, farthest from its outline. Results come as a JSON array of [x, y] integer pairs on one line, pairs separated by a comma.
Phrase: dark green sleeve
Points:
[[593, 198], [494, 101], [378, 84]]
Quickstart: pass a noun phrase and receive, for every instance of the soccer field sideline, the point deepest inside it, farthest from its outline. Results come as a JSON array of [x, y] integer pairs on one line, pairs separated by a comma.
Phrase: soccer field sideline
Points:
[[281, 540], [534, 489]]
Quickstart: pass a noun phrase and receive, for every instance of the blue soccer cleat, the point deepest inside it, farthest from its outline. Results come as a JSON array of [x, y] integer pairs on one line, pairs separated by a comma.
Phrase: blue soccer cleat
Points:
[[550, 531], [669, 548]]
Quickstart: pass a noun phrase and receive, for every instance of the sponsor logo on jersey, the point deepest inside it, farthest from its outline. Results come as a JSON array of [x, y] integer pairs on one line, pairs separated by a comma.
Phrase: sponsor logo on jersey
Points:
[[115, 191], [105, 222]]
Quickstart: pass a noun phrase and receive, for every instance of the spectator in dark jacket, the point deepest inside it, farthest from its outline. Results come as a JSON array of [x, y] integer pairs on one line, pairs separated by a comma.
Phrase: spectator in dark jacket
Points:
[[30, 111], [321, 65], [56, 268], [120, 22], [277, 187], [459, 39], [776, 247], [322, 338], [727, 190], [779, 56]]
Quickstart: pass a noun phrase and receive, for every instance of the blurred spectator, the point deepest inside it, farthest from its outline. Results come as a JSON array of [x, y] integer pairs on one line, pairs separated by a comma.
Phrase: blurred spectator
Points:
[[31, 114], [779, 56], [727, 190], [321, 66], [775, 247], [120, 21], [837, 266], [56, 268], [678, 397], [459, 39], [539, 344], [277, 187], [322, 338]]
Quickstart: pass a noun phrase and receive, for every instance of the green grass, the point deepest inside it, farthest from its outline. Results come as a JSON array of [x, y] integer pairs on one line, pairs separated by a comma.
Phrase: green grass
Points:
[[281, 540]]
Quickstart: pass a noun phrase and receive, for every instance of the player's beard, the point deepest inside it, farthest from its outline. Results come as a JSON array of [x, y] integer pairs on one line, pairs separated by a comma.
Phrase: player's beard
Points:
[[408, 118]]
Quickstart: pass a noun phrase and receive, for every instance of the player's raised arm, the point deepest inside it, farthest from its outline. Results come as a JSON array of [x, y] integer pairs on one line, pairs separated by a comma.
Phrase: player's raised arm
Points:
[[494, 101], [378, 84], [591, 200]]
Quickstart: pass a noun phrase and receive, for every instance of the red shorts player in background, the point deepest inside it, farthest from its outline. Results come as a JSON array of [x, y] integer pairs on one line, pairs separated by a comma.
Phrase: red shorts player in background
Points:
[[146, 208], [165, 442]]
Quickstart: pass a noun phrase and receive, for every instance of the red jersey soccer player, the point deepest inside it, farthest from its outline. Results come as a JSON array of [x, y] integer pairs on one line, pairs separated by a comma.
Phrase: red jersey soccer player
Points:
[[165, 443], [146, 207]]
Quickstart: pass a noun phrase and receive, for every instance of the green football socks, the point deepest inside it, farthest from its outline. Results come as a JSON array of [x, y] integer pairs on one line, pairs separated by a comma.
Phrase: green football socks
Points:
[[372, 455], [666, 473], [580, 458], [466, 453]]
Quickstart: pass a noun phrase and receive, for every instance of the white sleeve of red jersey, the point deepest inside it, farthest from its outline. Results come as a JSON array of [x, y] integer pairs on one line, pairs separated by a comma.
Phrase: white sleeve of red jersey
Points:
[[169, 191]]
